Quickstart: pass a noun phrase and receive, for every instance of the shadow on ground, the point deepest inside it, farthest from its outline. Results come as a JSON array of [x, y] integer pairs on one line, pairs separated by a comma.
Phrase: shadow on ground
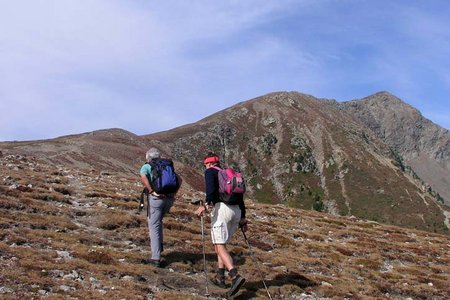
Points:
[[250, 288], [188, 258]]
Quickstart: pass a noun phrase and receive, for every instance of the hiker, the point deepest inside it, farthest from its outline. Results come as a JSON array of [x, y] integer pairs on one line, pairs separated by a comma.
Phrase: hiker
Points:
[[226, 218], [158, 203]]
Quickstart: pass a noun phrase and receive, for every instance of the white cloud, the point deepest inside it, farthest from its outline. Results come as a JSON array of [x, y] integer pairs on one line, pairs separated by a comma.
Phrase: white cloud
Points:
[[188, 59]]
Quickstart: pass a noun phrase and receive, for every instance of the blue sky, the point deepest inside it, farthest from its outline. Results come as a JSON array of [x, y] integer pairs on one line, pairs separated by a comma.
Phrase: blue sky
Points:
[[71, 66]]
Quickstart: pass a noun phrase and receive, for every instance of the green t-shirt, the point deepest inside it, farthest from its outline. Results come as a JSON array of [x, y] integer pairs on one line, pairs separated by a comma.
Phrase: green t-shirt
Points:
[[146, 170]]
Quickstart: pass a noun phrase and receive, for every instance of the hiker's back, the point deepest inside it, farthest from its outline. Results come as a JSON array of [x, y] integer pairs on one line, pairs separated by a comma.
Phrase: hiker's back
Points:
[[164, 178], [231, 185]]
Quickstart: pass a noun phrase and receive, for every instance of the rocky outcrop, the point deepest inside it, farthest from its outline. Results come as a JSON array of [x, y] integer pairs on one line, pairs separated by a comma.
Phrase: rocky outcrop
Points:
[[315, 154], [422, 144]]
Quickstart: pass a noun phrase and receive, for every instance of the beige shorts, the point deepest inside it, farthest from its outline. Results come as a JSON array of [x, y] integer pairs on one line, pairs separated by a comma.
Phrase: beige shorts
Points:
[[225, 222]]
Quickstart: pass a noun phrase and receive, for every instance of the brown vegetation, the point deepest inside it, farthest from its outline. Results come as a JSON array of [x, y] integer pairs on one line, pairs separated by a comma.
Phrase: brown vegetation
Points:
[[59, 241]]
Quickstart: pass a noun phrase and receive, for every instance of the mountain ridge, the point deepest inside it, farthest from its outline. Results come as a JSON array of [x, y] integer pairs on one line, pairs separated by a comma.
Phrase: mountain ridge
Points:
[[425, 146], [293, 148], [311, 145], [326, 194]]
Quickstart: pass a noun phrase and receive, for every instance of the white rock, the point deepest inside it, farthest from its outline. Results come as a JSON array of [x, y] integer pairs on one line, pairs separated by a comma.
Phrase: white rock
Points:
[[66, 288], [324, 283], [5, 290], [64, 254], [128, 278]]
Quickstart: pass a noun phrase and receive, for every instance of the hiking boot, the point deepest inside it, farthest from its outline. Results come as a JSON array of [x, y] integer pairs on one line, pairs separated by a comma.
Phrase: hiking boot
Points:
[[219, 281], [159, 263], [236, 284]]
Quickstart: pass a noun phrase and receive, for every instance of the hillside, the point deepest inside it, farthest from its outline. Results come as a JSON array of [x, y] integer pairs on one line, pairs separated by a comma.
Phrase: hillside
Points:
[[71, 232], [314, 153], [112, 149], [295, 150], [423, 145]]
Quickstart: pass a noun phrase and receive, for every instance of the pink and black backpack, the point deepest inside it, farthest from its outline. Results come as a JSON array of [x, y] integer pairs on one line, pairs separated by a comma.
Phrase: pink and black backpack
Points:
[[230, 182]]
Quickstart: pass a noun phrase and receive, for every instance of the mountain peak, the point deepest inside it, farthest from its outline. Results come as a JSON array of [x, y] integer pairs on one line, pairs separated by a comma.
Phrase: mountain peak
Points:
[[422, 144], [302, 151], [382, 99], [297, 150]]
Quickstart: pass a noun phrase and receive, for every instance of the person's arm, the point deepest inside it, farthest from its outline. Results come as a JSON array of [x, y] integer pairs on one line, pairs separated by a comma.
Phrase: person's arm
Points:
[[146, 183], [210, 190], [210, 186], [146, 170], [243, 221], [242, 207]]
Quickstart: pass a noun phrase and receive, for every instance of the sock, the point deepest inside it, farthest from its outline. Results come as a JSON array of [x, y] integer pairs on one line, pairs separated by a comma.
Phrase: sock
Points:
[[233, 272]]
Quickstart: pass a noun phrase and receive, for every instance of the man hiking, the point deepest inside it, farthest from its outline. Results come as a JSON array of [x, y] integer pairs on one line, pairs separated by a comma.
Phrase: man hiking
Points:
[[161, 184], [226, 218]]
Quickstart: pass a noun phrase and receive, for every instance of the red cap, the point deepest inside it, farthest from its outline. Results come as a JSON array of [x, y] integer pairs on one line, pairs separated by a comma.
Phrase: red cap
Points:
[[212, 159]]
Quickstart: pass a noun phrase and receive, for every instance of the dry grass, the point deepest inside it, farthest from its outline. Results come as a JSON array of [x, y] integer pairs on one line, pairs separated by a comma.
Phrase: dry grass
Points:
[[77, 233], [112, 220]]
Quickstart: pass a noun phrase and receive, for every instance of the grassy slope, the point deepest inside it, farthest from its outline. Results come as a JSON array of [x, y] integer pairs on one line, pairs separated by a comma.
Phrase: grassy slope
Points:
[[74, 232]]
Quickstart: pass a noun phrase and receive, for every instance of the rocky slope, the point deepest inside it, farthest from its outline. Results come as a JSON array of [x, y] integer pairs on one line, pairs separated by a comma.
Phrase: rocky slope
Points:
[[422, 144], [313, 153], [74, 232], [112, 149], [294, 149]]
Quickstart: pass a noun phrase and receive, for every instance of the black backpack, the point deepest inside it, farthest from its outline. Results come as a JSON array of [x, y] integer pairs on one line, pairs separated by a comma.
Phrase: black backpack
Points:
[[164, 179]]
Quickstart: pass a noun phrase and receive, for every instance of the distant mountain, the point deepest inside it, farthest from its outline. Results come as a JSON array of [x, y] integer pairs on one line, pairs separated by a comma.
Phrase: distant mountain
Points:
[[423, 145], [355, 158], [108, 150], [112, 149]]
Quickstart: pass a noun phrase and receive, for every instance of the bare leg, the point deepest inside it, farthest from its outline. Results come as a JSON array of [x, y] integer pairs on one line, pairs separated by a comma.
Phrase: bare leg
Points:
[[224, 259]]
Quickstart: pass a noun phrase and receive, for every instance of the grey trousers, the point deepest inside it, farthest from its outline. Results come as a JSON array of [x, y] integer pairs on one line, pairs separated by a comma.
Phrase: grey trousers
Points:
[[157, 208]]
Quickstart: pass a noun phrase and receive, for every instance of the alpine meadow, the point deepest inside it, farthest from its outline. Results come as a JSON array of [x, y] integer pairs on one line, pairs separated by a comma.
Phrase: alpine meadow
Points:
[[345, 200]]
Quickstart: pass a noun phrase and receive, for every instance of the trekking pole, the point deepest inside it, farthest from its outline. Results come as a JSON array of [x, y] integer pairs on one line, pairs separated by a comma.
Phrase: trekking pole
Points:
[[144, 195], [256, 263], [141, 201], [204, 254]]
